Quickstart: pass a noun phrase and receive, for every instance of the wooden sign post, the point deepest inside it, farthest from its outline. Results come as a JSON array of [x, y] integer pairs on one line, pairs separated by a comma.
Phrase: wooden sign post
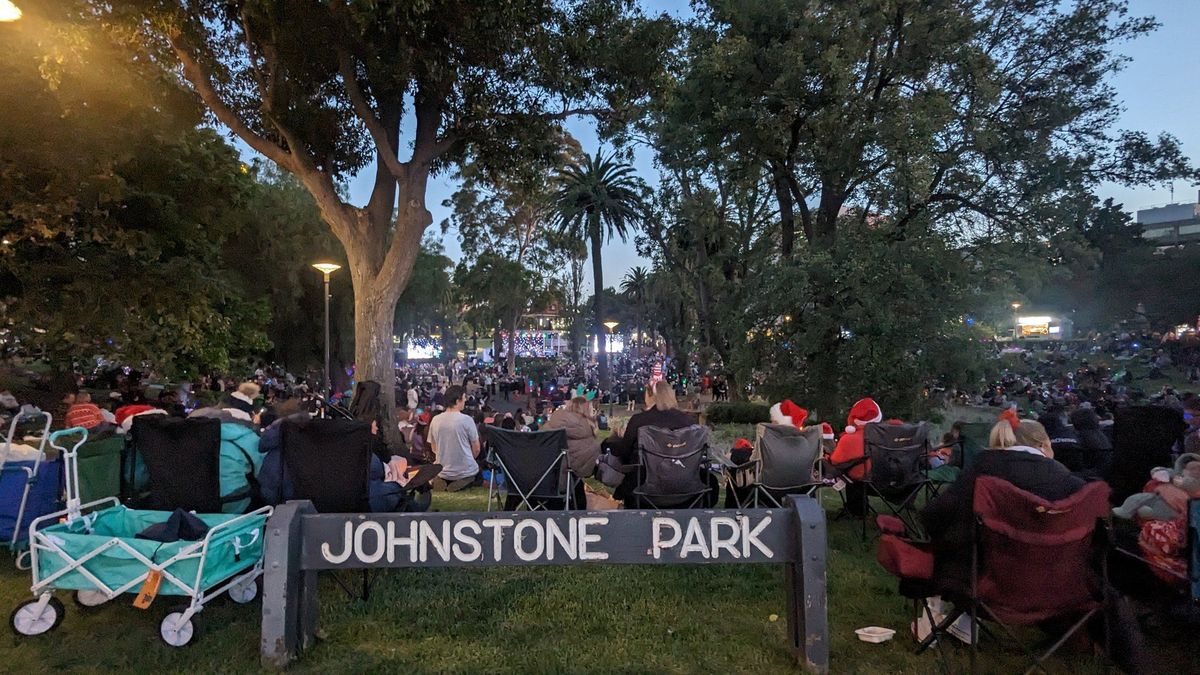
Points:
[[300, 542]]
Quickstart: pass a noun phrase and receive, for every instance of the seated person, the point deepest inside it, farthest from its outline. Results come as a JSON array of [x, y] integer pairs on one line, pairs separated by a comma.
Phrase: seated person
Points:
[[583, 442], [1095, 445], [847, 456], [662, 411], [83, 413], [454, 439], [1020, 452], [388, 482], [240, 459]]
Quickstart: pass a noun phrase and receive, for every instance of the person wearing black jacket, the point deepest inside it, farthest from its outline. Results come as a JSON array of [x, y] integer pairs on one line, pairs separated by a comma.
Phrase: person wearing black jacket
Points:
[[1096, 446], [1022, 456], [662, 410]]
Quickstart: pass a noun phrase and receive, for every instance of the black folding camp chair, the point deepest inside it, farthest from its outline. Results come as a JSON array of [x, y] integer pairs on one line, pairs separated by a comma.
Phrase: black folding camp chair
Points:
[[897, 454], [785, 461], [674, 471], [328, 462], [532, 463], [1143, 438], [174, 463]]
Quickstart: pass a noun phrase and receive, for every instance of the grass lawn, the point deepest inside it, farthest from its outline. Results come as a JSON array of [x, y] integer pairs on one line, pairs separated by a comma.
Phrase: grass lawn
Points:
[[530, 620]]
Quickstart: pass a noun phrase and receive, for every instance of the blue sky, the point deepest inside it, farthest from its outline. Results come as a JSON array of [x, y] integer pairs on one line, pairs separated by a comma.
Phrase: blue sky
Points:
[[1158, 89]]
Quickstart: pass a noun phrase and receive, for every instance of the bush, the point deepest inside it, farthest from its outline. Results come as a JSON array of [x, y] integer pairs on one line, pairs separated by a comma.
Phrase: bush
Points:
[[737, 413]]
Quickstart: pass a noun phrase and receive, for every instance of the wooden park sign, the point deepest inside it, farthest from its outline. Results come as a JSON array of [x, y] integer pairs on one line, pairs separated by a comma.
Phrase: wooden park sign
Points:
[[300, 542]]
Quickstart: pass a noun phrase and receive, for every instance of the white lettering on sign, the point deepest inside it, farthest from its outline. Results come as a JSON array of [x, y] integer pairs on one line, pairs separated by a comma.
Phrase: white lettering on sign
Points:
[[535, 539], [566, 542], [342, 557], [497, 525], [585, 539], [360, 550], [667, 535], [525, 530], [395, 542], [463, 542]]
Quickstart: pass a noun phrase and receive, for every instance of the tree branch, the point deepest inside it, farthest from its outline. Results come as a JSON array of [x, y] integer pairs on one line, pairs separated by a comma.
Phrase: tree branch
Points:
[[363, 110], [201, 81]]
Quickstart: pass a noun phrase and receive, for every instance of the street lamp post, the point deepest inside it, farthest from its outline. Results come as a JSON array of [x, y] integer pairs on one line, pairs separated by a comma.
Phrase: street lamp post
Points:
[[327, 269], [611, 325], [1016, 306]]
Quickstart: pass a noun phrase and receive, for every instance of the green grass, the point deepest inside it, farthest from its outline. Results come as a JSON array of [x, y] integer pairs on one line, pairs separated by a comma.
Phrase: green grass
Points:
[[618, 619]]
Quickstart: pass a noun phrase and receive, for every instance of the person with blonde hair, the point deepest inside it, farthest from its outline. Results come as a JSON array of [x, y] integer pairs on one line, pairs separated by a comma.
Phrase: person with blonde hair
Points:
[[662, 410], [583, 441], [1020, 454]]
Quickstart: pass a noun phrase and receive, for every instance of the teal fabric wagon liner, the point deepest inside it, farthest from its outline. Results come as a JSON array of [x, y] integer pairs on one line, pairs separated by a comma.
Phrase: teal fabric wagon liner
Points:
[[99, 551]]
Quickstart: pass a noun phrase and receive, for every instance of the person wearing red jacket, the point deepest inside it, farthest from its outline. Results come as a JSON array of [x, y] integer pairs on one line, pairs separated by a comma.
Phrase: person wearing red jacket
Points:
[[850, 445]]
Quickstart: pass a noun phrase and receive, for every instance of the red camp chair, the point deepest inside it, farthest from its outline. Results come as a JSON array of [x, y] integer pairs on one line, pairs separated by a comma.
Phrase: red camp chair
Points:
[[1033, 559]]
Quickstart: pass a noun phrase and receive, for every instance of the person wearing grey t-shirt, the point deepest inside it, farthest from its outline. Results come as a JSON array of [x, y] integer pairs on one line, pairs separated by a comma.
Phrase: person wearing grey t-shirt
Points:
[[455, 442]]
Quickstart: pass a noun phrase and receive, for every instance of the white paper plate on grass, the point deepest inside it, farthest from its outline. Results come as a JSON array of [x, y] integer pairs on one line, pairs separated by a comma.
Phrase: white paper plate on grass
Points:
[[875, 634]]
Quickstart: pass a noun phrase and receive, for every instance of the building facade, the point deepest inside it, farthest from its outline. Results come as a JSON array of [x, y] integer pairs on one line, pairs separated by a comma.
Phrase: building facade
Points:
[[1171, 224]]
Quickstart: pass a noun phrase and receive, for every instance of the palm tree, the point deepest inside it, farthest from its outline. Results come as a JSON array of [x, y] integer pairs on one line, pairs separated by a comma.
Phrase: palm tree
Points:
[[597, 198], [635, 285]]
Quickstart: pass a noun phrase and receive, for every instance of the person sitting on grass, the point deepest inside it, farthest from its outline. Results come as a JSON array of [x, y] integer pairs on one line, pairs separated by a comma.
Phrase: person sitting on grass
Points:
[[454, 440]]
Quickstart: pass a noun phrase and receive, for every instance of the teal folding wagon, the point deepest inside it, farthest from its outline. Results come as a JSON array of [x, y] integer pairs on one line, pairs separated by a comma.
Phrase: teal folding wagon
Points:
[[93, 549]]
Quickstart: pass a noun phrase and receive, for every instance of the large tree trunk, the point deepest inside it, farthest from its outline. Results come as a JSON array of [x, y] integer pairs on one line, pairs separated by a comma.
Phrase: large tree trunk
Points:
[[598, 297], [379, 271], [374, 317], [787, 214]]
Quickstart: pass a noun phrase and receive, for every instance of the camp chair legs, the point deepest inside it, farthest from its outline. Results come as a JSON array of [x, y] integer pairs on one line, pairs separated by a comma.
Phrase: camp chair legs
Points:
[[369, 576], [905, 510], [977, 629]]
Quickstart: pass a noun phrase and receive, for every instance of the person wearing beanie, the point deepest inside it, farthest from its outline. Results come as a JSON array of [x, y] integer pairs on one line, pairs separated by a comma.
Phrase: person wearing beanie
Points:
[[241, 401]]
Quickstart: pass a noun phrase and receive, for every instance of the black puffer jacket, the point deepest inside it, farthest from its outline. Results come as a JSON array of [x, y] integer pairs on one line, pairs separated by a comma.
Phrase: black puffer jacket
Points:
[[1095, 445]]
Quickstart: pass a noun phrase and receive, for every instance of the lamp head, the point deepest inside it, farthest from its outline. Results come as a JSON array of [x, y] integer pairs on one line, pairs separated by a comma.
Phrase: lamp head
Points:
[[611, 325], [327, 268], [9, 11]]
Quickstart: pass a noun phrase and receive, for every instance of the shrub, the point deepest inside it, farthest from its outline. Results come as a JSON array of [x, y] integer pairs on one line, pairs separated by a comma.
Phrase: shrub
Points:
[[737, 413]]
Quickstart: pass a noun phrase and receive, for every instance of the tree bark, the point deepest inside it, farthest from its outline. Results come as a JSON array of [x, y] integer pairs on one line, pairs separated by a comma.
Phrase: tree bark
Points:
[[787, 215], [598, 296]]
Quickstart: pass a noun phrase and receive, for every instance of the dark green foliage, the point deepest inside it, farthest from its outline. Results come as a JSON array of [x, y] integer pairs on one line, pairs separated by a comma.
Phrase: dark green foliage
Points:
[[923, 162], [737, 413]]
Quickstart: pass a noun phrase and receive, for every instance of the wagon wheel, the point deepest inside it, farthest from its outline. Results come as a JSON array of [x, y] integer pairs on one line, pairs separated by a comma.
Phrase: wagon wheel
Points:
[[89, 598], [176, 632], [27, 620], [244, 591]]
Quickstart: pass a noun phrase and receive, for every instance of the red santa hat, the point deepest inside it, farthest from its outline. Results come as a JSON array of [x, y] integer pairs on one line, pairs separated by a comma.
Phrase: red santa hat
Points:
[[125, 414], [786, 412], [865, 411], [826, 431]]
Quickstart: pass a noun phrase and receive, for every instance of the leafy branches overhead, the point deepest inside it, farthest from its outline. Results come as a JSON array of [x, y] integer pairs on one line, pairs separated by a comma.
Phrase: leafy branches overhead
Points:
[[978, 119], [962, 139]]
